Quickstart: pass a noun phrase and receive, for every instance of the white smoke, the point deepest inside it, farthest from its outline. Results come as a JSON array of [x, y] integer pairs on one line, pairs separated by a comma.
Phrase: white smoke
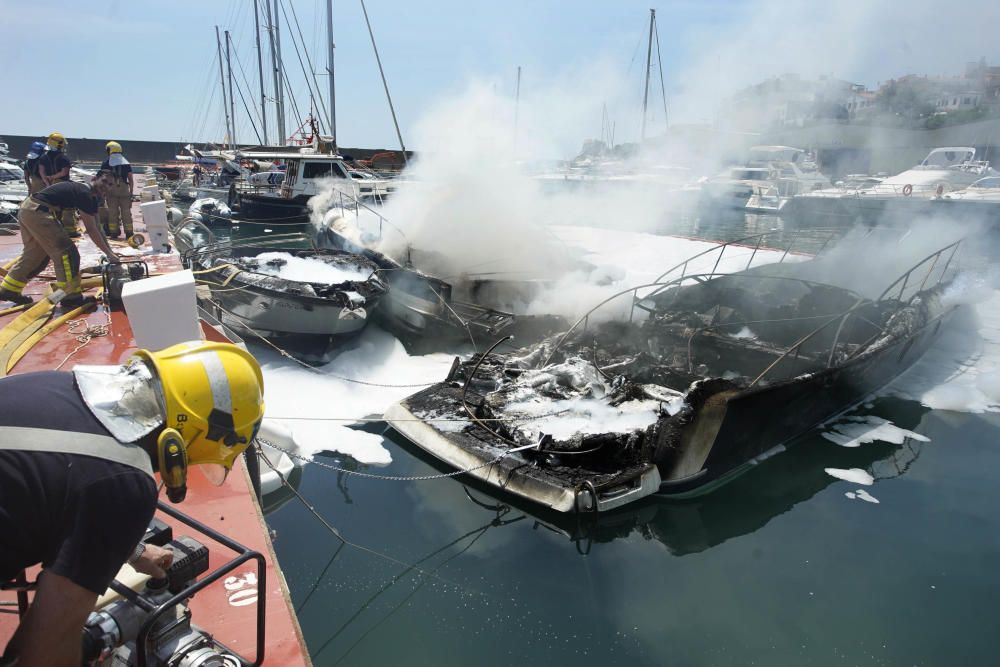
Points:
[[471, 207]]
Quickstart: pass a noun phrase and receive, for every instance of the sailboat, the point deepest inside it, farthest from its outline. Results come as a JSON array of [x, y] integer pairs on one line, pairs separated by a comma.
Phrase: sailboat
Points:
[[307, 165]]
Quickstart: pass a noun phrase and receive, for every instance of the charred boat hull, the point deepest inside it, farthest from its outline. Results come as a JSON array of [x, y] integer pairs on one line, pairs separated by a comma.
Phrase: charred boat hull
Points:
[[728, 397], [418, 304], [759, 423], [561, 490]]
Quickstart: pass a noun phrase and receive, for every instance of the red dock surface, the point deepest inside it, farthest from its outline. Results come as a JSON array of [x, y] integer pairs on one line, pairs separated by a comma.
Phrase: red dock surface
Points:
[[227, 608]]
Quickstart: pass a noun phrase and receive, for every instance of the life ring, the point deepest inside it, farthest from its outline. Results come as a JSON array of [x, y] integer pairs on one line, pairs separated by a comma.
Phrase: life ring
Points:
[[907, 190]]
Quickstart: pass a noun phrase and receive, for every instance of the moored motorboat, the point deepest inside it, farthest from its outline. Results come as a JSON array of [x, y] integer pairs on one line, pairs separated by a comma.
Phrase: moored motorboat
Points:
[[210, 212], [896, 199], [304, 299]]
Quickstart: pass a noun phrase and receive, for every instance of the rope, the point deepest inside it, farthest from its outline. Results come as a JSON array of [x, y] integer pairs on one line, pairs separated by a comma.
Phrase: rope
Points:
[[89, 332], [395, 478]]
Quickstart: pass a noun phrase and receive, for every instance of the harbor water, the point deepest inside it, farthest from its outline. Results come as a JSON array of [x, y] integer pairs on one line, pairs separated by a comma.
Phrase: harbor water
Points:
[[890, 559]]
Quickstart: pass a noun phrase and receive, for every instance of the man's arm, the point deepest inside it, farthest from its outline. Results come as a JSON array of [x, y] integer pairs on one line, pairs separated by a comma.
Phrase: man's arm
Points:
[[51, 633], [131, 185], [41, 172], [97, 236]]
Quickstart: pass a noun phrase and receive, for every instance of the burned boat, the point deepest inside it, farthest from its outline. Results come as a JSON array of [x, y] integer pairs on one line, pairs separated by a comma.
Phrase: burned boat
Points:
[[420, 305], [725, 372], [303, 298]]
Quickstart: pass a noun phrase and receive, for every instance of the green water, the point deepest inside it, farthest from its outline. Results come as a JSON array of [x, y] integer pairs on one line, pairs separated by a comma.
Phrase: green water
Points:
[[777, 568]]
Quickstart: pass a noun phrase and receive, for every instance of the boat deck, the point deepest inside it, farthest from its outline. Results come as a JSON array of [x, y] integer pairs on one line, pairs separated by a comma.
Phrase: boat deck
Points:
[[227, 608]]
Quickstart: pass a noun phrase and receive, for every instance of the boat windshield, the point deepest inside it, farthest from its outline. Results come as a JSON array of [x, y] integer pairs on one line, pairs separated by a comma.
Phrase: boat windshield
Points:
[[991, 183], [10, 173], [948, 157]]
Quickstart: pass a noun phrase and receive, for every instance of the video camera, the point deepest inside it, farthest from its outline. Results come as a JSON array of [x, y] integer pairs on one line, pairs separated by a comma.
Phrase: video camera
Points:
[[121, 634]]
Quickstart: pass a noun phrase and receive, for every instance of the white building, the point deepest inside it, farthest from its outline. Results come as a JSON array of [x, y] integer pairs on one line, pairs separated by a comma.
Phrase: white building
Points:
[[958, 101]]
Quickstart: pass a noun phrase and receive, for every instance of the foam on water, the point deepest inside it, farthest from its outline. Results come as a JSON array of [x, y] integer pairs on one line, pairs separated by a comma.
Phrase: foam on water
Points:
[[861, 494], [856, 431], [320, 406], [961, 371], [855, 475]]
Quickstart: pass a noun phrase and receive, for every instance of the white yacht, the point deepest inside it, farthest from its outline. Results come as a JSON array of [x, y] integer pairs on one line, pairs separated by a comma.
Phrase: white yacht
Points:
[[308, 171], [978, 202], [944, 170], [771, 175], [985, 189]]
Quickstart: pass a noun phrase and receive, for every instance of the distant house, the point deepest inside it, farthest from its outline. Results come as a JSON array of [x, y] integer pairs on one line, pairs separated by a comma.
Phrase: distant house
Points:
[[957, 101], [860, 103]]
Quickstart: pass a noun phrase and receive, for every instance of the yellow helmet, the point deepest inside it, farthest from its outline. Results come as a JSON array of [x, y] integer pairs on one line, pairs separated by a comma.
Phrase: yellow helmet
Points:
[[113, 147], [56, 141], [213, 394]]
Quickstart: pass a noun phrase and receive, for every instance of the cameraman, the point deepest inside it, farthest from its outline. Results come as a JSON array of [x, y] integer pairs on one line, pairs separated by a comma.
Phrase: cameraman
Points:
[[78, 451]]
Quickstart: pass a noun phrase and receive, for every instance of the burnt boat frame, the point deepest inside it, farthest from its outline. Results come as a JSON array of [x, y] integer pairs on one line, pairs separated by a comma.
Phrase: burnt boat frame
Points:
[[418, 302], [797, 404]]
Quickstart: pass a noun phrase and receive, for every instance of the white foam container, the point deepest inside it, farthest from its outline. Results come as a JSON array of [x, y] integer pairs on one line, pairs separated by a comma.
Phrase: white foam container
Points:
[[162, 310]]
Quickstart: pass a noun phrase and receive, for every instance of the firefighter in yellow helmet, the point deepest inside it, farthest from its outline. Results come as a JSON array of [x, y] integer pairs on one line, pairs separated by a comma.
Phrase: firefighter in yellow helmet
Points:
[[119, 199], [53, 167], [77, 486]]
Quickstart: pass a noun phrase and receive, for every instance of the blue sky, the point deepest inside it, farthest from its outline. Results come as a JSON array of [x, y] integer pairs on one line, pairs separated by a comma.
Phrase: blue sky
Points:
[[140, 69]]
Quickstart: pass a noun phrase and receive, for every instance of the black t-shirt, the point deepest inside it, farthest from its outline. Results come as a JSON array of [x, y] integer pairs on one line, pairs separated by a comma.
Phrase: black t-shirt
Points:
[[79, 516], [54, 162], [31, 166], [120, 171], [69, 194]]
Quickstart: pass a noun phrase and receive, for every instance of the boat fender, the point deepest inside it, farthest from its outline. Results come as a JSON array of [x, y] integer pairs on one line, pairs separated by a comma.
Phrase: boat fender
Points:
[[940, 189], [907, 190], [352, 314]]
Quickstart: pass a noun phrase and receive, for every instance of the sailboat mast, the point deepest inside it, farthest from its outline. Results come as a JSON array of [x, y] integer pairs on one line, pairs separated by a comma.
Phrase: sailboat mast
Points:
[[517, 103], [329, 71], [260, 71], [279, 74], [222, 82], [385, 85], [649, 64], [232, 102]]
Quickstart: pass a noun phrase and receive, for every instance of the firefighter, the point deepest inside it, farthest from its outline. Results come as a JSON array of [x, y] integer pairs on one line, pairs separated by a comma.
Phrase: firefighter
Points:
[[31, 176], [78, 451], [44, 238], [119, 197], [53, 167]]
